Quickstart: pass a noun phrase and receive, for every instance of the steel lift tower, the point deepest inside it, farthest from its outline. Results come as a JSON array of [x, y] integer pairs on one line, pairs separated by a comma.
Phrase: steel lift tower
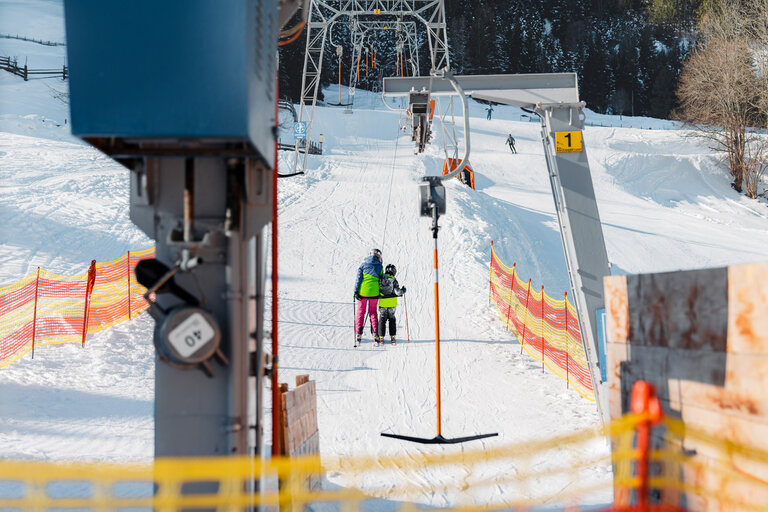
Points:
[[322, 15]]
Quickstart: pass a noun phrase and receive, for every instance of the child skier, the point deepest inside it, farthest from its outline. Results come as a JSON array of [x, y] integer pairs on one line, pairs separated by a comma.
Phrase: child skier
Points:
[[367, 292], [389, 290]]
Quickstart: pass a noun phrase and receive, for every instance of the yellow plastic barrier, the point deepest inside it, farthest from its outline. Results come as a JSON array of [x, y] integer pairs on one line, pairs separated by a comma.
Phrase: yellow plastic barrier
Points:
[[462, 480], [547, 328]]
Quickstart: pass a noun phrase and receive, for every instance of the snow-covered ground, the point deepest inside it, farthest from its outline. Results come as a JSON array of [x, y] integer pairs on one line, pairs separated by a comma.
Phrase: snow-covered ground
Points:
[[665, 203]]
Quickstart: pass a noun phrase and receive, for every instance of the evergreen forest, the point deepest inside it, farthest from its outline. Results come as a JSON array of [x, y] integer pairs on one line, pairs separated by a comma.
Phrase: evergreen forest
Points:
[[628, 54]]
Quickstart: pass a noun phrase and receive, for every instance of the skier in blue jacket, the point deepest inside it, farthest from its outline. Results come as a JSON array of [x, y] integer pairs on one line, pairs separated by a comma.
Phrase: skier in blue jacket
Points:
[[367, 292]]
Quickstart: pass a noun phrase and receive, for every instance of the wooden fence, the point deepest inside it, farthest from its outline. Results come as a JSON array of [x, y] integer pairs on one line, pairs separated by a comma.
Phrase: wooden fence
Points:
[[32, 40], [315, 148], [12, 66]]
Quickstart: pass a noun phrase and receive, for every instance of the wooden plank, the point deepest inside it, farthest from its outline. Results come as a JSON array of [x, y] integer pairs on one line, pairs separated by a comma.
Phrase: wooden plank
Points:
[[617, 355], [733, 492], [747, 306], [740, 395], [283, 421], [300, 416], [616, 309], [742, 431], [300, 432], [686, 310]]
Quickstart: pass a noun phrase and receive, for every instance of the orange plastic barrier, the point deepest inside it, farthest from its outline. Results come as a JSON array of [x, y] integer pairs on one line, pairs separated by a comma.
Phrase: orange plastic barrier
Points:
[[546, 328], [46, 308]]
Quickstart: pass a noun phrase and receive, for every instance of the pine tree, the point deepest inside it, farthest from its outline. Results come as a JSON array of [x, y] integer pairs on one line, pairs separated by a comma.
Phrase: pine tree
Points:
[[647, 66], [595, 85], [625, 75], [662, 94]]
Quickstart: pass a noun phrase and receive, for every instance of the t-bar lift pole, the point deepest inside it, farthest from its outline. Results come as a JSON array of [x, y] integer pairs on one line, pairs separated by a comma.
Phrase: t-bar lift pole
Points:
[[435, 229]]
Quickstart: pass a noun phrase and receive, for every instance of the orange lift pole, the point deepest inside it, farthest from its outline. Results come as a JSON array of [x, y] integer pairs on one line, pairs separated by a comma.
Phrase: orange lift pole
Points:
[[432, 195], [437, 339]]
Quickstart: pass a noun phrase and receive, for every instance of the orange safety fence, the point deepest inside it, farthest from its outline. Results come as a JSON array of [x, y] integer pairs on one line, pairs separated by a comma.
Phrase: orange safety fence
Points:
[[46, 308], [546, 328]]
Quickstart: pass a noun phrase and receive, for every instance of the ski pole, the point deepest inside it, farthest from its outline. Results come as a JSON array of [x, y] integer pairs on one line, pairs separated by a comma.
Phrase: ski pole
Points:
[[407, 330]]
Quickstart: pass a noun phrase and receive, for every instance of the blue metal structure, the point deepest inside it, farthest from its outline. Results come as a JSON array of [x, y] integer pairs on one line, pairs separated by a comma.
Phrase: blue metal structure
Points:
[[182, 92], [197, 70]]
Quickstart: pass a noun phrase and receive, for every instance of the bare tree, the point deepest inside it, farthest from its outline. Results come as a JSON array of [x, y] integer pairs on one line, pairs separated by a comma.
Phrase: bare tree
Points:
[[722, 92]]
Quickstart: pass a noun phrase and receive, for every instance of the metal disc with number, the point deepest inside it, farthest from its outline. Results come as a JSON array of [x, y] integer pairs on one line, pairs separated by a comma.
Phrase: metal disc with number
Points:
[[188, 336]]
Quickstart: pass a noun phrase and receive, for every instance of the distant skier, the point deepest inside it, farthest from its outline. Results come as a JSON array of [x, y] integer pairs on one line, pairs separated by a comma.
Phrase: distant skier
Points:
[[367, 292], [389, 291], [511, 143], [490, 111]]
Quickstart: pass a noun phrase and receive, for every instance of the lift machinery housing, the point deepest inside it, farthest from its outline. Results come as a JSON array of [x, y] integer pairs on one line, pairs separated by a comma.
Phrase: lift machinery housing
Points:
[[182, 93]]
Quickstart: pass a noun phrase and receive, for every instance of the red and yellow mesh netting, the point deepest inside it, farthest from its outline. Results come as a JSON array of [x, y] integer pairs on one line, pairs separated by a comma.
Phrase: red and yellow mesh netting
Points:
[[46, 308], [545, 327]]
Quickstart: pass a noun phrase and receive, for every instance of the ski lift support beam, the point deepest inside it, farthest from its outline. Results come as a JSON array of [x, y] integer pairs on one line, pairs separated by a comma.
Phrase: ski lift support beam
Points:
[[323, 14], [555, 98], [408, 29]]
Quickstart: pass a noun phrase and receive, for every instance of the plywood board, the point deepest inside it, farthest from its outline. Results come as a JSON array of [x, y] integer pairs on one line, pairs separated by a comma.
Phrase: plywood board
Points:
[[748, 309], [701, 337]]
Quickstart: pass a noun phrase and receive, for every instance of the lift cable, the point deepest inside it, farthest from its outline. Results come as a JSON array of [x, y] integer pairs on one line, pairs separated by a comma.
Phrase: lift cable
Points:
[[292, 34], [391, 180]]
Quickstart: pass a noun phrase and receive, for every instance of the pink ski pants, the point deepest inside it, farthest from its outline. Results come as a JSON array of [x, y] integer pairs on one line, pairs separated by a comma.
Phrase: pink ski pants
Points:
[[371, 306]]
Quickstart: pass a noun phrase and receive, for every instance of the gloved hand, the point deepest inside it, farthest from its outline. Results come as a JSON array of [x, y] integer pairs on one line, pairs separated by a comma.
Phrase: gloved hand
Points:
[[403, 290], [357, 296]]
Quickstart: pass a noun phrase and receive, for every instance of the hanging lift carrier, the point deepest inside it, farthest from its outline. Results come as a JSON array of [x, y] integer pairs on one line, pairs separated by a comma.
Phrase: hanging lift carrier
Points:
[[554, 98]]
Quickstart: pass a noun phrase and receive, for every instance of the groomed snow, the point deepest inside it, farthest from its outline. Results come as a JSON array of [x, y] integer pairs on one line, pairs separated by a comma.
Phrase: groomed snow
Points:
[[665, 204]]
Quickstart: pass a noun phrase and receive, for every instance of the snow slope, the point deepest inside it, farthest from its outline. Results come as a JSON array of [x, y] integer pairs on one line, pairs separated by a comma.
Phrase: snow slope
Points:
[[664, 201]]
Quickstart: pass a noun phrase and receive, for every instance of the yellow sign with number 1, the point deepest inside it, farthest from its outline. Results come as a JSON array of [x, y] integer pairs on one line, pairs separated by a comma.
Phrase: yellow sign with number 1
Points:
[[377, 11], [568, 142]]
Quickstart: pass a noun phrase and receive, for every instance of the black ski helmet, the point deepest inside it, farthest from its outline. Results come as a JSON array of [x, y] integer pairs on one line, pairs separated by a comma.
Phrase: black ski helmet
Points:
[[391, 270], [376, 252]]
